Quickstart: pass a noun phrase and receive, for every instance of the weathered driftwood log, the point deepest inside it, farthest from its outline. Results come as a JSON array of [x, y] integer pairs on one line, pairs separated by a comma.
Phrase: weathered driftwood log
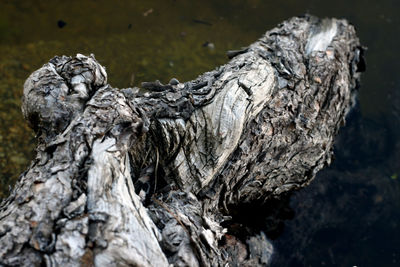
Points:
[[123, 178]]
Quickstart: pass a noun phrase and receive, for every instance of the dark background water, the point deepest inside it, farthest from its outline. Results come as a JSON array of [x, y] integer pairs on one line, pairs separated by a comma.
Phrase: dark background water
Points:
[[349, 216]]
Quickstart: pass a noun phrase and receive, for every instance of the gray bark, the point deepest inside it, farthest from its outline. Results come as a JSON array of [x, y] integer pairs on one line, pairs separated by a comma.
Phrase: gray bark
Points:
[[123, 178]]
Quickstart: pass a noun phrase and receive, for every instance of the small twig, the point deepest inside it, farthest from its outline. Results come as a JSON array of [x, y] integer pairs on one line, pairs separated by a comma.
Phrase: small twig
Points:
[[155, 171], [159, 202], [145, 159]]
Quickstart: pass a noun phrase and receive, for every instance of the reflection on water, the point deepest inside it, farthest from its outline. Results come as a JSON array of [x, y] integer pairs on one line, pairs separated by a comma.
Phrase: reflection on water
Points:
[[350, 213]]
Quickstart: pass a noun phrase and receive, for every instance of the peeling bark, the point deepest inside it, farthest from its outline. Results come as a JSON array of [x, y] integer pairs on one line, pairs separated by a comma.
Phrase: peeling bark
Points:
[[124, 178]]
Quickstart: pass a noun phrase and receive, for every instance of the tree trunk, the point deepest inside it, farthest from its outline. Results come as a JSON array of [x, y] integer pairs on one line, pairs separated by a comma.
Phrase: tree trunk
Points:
[[123, 178]]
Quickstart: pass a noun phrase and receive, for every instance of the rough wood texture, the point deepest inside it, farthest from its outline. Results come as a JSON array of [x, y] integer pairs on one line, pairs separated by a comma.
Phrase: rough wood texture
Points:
[[122, 178]]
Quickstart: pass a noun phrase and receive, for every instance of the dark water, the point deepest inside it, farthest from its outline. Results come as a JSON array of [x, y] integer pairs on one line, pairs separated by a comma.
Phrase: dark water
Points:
[[349, 216]]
